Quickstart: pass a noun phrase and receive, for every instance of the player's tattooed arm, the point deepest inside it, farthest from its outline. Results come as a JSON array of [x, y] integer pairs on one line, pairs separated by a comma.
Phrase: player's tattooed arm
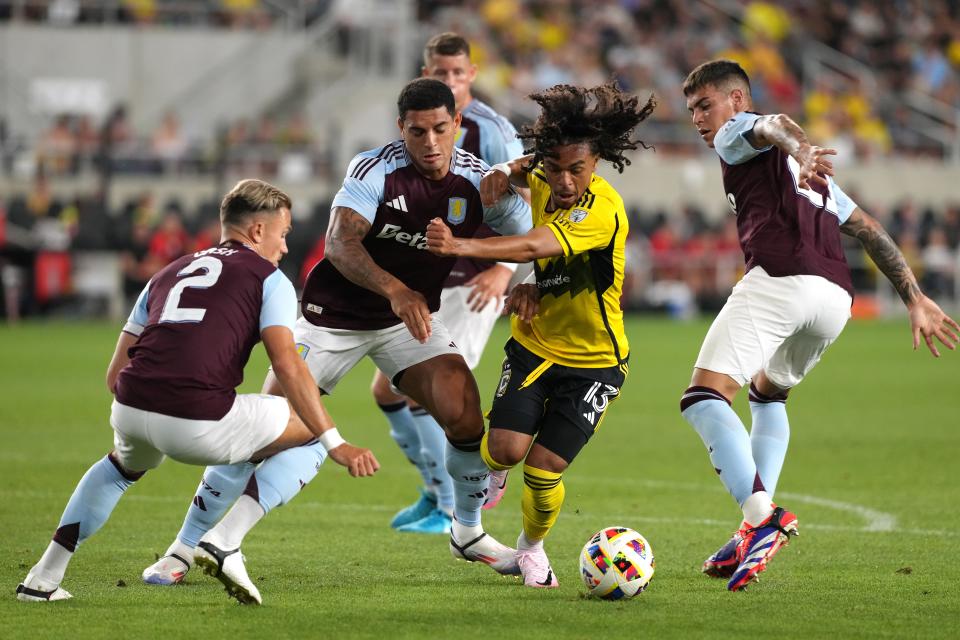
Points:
[[344, 248], [927, 319], [884, 252], [781, 131]]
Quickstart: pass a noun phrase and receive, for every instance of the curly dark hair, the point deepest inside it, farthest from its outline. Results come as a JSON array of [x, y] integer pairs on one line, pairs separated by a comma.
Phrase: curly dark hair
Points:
[[602, 116]]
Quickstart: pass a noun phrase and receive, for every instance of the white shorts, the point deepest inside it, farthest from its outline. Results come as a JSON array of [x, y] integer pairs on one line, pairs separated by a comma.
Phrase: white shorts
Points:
[[331, 353], [780, 325], [142, 438], [469, 329]]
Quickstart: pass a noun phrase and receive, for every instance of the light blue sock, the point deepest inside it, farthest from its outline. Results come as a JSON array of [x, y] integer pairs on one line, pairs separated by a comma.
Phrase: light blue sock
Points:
[[769, 437], [403, 430], [92, 502], [279, 478], [726, 439], [433, 446], [469, 474], [88, 509], [219, 488]]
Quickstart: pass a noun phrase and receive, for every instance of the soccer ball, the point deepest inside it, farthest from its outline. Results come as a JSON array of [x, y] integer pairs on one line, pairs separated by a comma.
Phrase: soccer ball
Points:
[[616, 562]]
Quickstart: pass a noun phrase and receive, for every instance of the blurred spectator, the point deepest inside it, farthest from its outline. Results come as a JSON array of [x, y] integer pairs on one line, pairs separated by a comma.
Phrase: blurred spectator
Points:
[[168, 143]]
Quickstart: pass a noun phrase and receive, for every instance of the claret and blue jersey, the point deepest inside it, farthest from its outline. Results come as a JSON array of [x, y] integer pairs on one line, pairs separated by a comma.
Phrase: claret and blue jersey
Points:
[[384, 187], [783, 227], [198, 320]]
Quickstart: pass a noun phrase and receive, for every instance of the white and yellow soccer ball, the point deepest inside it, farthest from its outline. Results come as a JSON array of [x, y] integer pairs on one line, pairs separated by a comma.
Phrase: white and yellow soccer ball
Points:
[[616, 562]]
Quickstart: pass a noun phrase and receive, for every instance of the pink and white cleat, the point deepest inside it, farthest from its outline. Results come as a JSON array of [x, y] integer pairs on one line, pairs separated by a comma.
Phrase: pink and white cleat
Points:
[[535, 568], [496, 488]]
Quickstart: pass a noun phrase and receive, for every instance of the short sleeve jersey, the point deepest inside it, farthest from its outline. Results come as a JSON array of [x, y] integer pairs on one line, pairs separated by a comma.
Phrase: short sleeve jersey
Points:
[[384, 187], [489, 136], [580, 322], [786, 229], [198, 320]]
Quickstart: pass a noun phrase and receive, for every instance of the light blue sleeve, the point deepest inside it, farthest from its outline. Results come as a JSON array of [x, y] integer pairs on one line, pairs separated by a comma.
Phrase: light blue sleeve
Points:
[[362, 189], [510, 216], [499, 141], [138, 315], [845, 205], [279, 306], [731, 143]]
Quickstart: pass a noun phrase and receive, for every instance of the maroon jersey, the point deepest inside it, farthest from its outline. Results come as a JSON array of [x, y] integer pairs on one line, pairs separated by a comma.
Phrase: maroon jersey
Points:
[[783, 228], [385, 187], [198, 319]]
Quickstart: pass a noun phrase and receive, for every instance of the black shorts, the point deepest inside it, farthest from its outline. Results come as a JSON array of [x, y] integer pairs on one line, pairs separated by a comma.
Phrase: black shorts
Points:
[[561, 407]]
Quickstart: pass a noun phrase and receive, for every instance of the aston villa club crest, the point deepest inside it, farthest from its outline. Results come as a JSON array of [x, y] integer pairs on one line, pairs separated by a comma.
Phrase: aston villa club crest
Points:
[[456, 210]]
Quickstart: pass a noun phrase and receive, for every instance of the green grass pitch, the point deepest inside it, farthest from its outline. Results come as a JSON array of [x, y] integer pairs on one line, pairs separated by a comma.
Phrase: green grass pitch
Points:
[[870, 474]]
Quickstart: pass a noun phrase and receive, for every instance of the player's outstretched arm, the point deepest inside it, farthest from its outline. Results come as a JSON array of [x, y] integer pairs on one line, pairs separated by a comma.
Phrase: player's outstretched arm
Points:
[[927, 319], [781, 131], [539, 242], [302, 393], [344, 248]]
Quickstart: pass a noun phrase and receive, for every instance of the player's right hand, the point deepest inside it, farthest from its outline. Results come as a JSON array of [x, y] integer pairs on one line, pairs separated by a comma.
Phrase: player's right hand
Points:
[[411, 307], [523, 301], [493, 185], [358, 461], [814, 165]]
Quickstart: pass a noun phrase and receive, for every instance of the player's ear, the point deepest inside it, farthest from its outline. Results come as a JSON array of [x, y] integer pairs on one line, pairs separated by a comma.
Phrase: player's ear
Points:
[[400, 124], [424, 72], [456, 120], [472, 73]]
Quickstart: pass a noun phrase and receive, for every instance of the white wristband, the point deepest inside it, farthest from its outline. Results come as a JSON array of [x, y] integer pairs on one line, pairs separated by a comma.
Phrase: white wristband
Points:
[[331, 439], [503, 168], [512, 266]]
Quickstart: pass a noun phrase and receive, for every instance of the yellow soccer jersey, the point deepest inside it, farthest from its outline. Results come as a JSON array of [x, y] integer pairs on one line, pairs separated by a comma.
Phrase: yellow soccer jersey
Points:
[[580, 323]]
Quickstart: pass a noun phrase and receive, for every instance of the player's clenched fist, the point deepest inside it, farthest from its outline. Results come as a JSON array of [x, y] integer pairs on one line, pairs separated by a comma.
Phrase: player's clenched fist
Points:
[[358, 461], [440, 240]]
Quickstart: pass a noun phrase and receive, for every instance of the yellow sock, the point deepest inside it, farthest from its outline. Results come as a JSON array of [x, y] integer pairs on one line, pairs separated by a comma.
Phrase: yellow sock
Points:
[[542, 497], [492, 464]]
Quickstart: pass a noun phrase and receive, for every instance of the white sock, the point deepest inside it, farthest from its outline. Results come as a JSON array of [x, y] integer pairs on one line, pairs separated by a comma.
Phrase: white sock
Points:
[[526, 544], [182, 550], [757, 508], [246, 513], [465, 533], [53, 564]]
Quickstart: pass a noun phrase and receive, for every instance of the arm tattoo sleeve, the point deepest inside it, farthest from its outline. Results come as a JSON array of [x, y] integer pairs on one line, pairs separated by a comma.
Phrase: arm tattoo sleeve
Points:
[[344, 248], [884, 251]]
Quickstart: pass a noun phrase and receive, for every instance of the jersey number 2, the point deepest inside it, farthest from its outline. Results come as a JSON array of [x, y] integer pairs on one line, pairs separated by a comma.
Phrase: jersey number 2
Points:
[[172, 311]]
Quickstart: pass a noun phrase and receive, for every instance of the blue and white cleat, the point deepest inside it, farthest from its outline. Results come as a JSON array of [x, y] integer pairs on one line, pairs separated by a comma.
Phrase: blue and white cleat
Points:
[[437, 522], [760, 544], [724, 562], [169, 570], [423, 507]]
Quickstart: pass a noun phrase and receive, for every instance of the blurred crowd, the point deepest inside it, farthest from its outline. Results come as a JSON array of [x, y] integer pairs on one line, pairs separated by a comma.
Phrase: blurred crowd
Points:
[[678, 261], [650, 45], [230, 14]]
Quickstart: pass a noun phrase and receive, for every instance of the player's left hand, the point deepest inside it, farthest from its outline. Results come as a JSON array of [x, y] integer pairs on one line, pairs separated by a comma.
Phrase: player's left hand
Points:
[[440, 240], [523, 301], [359, 462], [929, 320], [488, 286]]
